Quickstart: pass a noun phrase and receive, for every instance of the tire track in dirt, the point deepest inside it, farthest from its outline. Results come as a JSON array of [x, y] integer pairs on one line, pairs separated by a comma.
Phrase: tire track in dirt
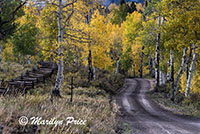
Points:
[[146, 117]]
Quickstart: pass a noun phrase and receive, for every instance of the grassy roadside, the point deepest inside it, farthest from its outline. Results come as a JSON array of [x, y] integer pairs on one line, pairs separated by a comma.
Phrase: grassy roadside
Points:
[[86, 105], [91, 102], [182, 105]]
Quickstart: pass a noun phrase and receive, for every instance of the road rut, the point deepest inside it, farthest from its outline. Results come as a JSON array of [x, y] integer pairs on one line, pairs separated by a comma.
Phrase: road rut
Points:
[[146, 117]]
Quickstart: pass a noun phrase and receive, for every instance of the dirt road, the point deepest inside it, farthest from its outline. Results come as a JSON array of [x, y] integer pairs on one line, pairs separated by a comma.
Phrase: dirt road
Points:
[[146, 117]]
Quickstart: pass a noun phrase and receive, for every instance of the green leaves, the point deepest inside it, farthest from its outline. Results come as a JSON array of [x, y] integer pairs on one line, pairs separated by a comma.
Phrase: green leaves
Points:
[[8, 17], [120, 13], [24, 39], [127, 60]]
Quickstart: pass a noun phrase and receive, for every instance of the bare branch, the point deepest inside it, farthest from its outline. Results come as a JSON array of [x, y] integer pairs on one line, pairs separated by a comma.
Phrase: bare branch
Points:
[[53, 13], [68, 4], [77, 39], [69, 16], [13, 14]]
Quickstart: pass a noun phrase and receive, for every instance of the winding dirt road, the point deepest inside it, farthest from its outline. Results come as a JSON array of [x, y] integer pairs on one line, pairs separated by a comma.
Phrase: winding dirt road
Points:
[[146, 117]]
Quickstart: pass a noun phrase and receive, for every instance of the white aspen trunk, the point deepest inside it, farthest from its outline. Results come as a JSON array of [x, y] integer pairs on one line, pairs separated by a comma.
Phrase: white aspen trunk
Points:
[[192, 68], [130, 71], [157, 55], [59, 77], [172, 69], [178, 78], [161, 78], [162, 75], [153, 65], [117, 67], [168, 73], [29, 59], [0, 55], [188, 61]]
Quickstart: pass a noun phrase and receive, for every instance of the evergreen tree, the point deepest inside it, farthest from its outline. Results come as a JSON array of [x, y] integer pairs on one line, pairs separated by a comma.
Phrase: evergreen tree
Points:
[[120, 14]]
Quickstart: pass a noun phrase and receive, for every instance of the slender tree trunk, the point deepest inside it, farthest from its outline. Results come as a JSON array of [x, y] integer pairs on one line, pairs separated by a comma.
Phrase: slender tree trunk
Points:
[[188, 61], [172, 69], [117, 66], [162, 78], [178, 78], [130, 71], [168, 72], [0, 55], [59, 77], [157, 55], [90, 72], [192, 68], [150, 64], [29, 59], [162, 75], [141, 65]]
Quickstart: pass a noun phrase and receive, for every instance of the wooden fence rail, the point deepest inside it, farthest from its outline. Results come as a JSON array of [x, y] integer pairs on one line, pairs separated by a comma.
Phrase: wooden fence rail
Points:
[[29, 79]]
